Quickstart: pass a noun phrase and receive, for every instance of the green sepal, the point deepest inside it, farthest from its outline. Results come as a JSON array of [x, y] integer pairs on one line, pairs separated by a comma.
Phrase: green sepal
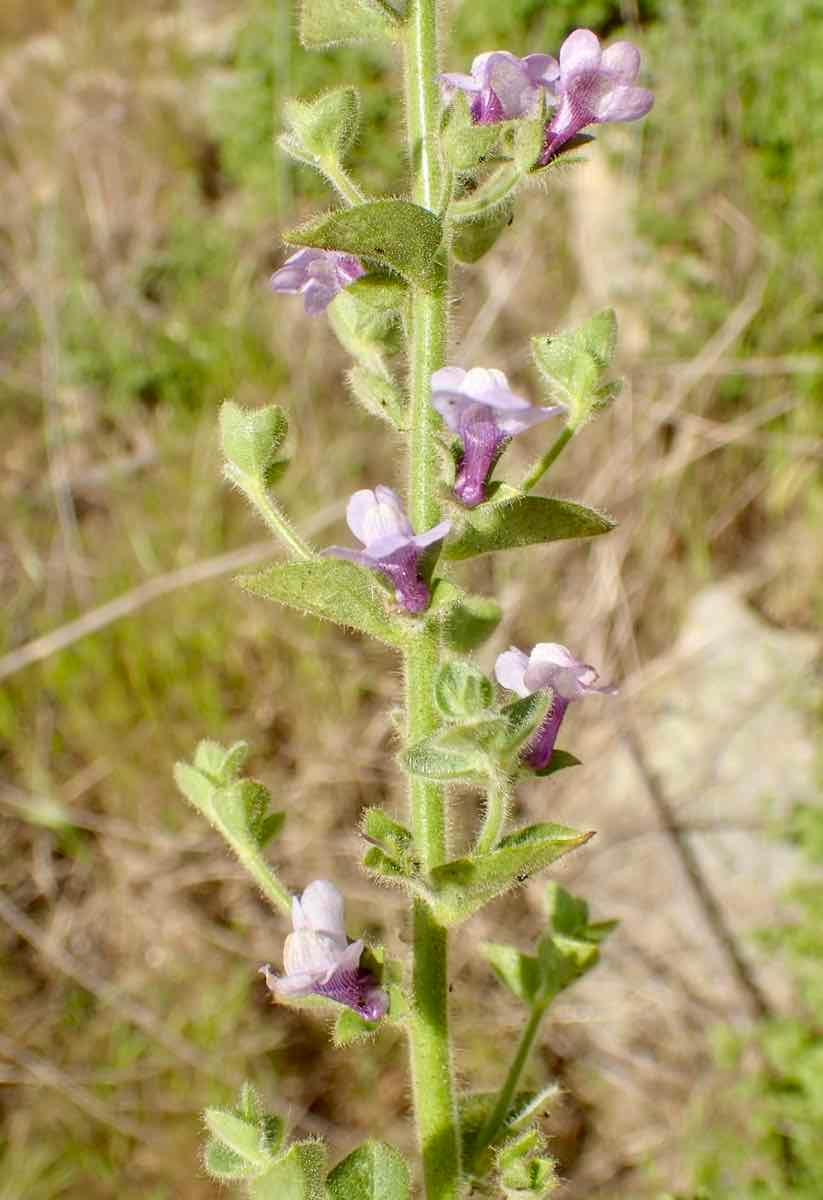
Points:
[[242, 1137], [462, 691], [473, 238], [222, 765], [334, 590], [449, 755], [395, 234], [392, 838], [251, 438], [350, 1028], [519, 972], [385, 866], [467, 621], [466, 145], [379, 395], [327, 126], [512, 519], [560, 760], [298, 1175], [529, 138], [524, 1172], [365, 334], [572, 364], [522, 719], [223, 1164], [374, 1171], [326, 23], [462, 887]]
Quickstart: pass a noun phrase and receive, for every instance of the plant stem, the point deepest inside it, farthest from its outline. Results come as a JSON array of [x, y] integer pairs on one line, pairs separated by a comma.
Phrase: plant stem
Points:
[[259, 499], [497, 797], [501, 185], [430, 1047], [339, 177], [494, 1122], [264, 877], [542, 465]]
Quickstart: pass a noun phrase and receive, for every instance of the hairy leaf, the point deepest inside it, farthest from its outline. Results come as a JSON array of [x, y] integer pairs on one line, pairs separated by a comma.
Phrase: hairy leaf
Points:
[[325, 23], [395, 234], [333, 589], [374, 1171], [523, 520]]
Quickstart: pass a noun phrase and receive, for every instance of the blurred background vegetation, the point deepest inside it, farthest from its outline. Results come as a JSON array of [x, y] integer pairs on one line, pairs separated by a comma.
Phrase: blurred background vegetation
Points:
[[140, 207]]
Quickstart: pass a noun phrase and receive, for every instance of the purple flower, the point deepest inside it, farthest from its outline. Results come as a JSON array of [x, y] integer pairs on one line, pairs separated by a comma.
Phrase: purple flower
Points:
[[501, 85], [594, 86], [317, 275], [376, 518], [318, 959], [548, 666], [480, 407]]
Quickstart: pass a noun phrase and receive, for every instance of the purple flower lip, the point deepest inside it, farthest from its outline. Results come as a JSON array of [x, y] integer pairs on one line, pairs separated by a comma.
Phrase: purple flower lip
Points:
[[480, 407], [317, 275], [593, 86], [390, 545], [502, 87], [553, 667], [318, 959]]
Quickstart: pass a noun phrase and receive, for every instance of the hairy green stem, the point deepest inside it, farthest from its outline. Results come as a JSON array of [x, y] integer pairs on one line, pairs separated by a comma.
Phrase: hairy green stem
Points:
[[495, 1120], [262, 874], [545, 461], [339, 178], [497, 803], [259, 499], [430, 1048]]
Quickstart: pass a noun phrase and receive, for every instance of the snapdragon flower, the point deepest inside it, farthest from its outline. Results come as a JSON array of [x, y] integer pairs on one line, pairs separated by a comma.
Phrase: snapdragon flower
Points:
[[318, 959], [593, 86], [553, 667], [390, 545], [480, 407], [502, 86], [317, 275]]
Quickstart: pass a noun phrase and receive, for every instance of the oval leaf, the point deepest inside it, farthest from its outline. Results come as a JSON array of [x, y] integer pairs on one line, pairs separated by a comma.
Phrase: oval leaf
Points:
[[329, 22], [374, 1171], [333, 589], [396, 234], [524, 521]]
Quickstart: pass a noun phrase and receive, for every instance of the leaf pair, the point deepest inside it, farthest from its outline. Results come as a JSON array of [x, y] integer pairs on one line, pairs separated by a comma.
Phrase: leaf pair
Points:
[[568, 949], [248, 1145]]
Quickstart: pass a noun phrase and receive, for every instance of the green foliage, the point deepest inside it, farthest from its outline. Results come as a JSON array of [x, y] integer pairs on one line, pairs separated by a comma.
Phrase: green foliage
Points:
[[462, 691], [327, 127], [473, 238], [572, 366], [567, 950], [461, 887], [524, 1171], [298, 1175], [325, 23], [379, 395], [374, 1171], [334, 590], [245, 1142], [394, 234], [512, 519], [252, 438]]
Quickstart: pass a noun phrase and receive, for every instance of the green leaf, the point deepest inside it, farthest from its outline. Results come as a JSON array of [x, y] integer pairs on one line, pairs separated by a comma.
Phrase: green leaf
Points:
[[572, 364], [470, 622], [447, 755], [326, 127], [325, 23], [242, 1137], [374, 1171], [524, 1171], [567, 914], [269, 828], [196, 787], [380, 293], [396, 234], [519, 972], [334, 590], [462, 887], [472, 239], [523, 520], [252, 437], [298, 1175], [223, 1164], [466, 145], [379, 395], [249, 1106], [560, 760], [393, 837], [461, 690], [365, 334]]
